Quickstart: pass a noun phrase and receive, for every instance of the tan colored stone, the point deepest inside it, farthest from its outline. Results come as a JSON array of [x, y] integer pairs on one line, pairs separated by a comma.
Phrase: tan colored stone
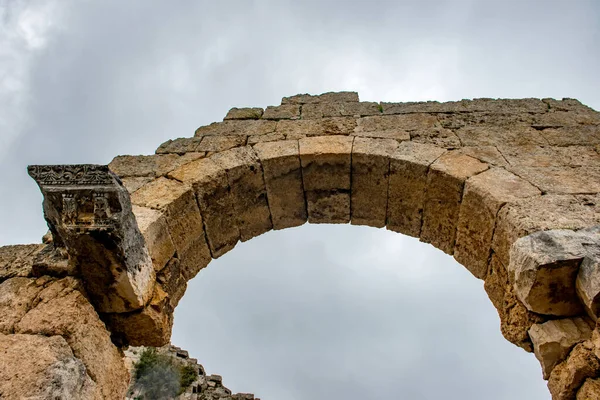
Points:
[[149, 326], [237, 127], [244, 113], [269, 137], [285, 111], [215, 201], [153, 226], [221, 143], [17, 296], [484, 195], [584, 135], [17, 260], [370, 180], [496, 282], [172, 282], [567, 377], [445, 182], [247, 186], [326, 170], [179, 146], [486, 154], [61, 309], [283, 181], [135, 182], [541, 213], [298, 129], [547, 156], [409, 165], [339, 109], [149, 166], [41, 367], [489, 135], [590, 390], [562, 180], [545, 266], [422, 107], [553, 340], [322, 98], [588, 280]]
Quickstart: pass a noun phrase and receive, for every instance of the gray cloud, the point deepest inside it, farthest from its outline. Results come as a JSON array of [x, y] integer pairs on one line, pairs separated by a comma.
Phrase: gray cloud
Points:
[[85, 81]]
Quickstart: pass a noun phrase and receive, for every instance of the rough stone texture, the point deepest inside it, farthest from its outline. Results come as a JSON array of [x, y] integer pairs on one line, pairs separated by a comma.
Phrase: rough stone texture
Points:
[[286, 111], [42, 367], [370, 178], [153, 226], [17, 260], [590, 390], [295, 130], [567, 377], [234, 128], [483, 197], [326, 176], [588, 278], [322, 98], [221, 143], [445, 181], [177, 146], [409, 166], [244, 113], [247, 186], [339, 109], [545, 266], [283, 181], [562, 180], [553, 340]]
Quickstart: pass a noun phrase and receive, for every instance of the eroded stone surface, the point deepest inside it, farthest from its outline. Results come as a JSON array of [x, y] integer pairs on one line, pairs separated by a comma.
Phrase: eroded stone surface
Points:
[[567, 377], [590, 390], [245, 113]]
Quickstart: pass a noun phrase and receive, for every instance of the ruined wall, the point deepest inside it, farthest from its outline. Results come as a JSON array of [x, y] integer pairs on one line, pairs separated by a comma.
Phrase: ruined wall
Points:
[[510, 188]]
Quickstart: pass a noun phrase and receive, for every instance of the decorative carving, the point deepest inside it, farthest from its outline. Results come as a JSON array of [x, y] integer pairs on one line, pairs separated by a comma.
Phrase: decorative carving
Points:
[[78, 175], [69, 214]]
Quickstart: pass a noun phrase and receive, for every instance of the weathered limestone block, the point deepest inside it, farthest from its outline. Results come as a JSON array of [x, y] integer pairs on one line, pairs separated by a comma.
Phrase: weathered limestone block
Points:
[[178, 204], [437, 136], [283, 181], [504, 106], [584, 135], [383, 126], [409, 166], [562, 180], [588, 280], [179, 146], [42, 367], [17, 296], [445, 182], [153, 226], [484, 195], [546, 156], [221, 143], [236, 127], [370, 180], [247, 186], [297, 129], [486, 154], [172, 282], [490, 135], [567, 377], [285, 111], [553, 340], [423, 107], [339, 109], [54, 261], [322, 98], [545, 266], [573, 117], [542, 213], [89, 213], [62, 309], [590, 390], [244, 113], [326, 170], [135, 182], [150, 166], [269, 137], [496, 282], [17, 260], [215, 201]]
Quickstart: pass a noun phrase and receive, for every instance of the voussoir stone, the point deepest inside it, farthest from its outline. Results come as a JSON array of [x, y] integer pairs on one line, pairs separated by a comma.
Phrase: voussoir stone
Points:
[[545, 266], [153, 226], [247, 187], [370, 179], [588, 278], [283, 181], [326, 167], [445, 183], [483, 197], [553, 340], [409, 165]]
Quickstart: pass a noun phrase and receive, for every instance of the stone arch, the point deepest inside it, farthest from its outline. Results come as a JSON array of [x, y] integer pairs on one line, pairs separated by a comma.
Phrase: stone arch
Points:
[[508, 187]]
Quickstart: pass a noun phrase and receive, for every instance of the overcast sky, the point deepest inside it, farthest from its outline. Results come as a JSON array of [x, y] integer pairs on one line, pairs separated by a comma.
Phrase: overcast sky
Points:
[[316, 312]]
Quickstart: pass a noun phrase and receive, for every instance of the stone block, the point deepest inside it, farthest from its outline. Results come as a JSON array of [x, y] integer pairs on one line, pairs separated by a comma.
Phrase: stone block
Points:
[[247, 186], [590, 390], [588, 279], [545, 266], [550, 156], [553, 340], [153, 226], [584, 135], [326, 167], [298, 129], [562, 180], [496, 282], [17, 260], [237, 127], [135, 182], [269, 137], [215, 201], [285, 111], [221, 143], [370, 179], [339, 109], [567, 377], [383, 126], [445, 182], [541, 213], [244, 113], [409, 165], [486, 154], [179, 146], [322, 98], [283, 181], [493, 135], [423, 107], [150, 166], [484, 195]]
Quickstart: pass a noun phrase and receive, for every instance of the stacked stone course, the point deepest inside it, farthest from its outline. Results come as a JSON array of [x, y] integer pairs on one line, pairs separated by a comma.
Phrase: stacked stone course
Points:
[[510, 188]]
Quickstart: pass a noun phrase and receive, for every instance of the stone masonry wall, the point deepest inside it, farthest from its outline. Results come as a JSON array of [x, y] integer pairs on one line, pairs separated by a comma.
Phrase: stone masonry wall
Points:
[[510, 188]]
